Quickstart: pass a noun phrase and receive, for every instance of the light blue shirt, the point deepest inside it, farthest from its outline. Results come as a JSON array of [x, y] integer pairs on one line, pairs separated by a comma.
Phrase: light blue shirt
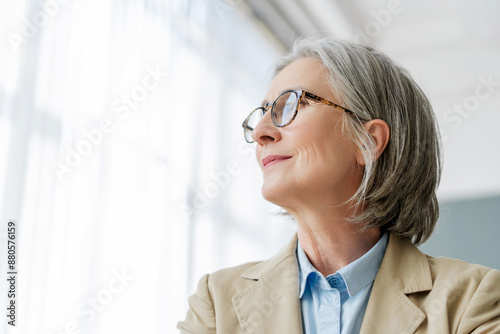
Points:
[[337, 303]]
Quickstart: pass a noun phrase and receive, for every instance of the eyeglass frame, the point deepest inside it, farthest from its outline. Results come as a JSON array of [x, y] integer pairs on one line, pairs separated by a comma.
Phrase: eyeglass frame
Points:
[[300, 93]]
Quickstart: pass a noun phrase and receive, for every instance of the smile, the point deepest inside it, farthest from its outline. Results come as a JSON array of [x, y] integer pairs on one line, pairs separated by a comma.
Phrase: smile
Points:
[[273, 160]]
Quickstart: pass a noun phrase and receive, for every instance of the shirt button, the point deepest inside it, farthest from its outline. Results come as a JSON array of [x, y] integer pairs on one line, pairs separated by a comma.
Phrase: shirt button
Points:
[[328, 299], [334, 282]]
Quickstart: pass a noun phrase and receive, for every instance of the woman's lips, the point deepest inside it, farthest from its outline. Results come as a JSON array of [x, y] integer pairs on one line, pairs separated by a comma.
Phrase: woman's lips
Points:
[[273, 160]]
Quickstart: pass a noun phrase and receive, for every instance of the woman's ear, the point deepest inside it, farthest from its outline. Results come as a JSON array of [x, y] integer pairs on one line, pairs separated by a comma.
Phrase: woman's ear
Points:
[[380, 133]]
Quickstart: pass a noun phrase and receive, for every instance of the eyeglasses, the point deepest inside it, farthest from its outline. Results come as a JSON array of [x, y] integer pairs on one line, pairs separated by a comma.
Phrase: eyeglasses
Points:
[[283, 110]]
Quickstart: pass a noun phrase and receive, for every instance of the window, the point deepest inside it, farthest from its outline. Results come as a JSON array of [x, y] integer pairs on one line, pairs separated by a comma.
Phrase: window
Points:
[[122, 158]]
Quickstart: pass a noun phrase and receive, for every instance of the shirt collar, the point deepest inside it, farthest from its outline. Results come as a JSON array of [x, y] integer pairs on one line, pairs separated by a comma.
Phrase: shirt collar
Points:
[[356, 274]]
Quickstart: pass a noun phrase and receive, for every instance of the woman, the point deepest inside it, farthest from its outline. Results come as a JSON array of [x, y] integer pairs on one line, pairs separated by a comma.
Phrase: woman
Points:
[[348, 145]]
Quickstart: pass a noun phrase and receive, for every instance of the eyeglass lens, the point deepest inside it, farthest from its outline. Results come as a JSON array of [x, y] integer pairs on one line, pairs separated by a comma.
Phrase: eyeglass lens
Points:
[[282, 113], [284, 108]]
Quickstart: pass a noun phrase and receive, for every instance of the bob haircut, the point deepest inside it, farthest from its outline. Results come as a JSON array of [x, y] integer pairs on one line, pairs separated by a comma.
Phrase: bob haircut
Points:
[[398, 190]]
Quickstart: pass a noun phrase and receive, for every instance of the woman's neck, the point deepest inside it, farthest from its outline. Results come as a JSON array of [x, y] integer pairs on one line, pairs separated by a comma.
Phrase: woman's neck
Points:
[[331, 244]]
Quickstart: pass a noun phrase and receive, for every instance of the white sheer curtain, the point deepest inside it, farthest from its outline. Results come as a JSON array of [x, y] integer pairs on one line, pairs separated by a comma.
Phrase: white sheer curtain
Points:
[[122, 159]]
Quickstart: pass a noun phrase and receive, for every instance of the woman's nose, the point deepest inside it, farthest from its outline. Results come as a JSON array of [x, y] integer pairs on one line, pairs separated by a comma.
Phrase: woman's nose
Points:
[[266, 131]]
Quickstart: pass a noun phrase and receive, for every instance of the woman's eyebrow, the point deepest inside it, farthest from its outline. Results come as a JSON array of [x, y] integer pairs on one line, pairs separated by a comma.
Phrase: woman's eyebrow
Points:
[[264, 102]]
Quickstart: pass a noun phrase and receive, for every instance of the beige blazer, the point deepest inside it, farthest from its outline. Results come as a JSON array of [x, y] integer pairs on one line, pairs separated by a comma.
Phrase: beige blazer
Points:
[[412, 293]]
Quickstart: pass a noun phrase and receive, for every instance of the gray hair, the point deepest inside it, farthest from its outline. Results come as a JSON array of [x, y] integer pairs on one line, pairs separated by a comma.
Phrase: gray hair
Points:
[[398, 190]]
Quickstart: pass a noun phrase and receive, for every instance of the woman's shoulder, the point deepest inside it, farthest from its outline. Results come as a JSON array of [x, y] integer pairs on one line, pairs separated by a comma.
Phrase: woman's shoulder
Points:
[[465, 283], [403, 255], [283, 262], [225, 282], [449, 267], [230, 274]]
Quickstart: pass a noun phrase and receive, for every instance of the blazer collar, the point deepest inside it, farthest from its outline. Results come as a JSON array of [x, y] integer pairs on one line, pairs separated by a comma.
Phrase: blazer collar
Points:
[[271, 304], [404, 270], [262, 268]]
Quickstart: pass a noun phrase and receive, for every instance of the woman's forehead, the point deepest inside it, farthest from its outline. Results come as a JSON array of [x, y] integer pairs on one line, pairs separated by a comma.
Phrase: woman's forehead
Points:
[[304, 73]]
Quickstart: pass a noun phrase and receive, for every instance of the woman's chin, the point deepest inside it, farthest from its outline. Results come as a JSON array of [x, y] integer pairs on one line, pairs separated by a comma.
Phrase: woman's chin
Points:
[[275, 193]]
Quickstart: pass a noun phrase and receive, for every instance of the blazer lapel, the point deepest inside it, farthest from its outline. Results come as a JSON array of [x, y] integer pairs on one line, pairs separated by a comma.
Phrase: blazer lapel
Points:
[[404, 270], [271, 304]]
